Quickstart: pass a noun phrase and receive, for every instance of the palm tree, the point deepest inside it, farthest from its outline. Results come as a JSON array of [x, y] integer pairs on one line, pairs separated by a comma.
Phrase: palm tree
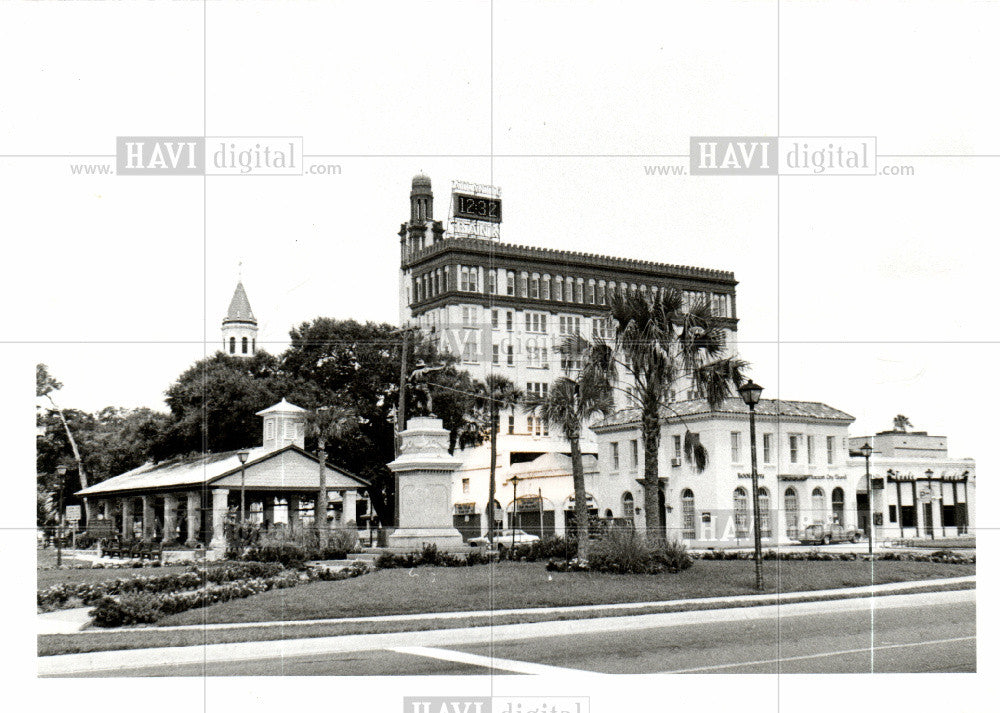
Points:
[[901, 423], [569, 406], [497, 394], [661, 343], [328, 423]]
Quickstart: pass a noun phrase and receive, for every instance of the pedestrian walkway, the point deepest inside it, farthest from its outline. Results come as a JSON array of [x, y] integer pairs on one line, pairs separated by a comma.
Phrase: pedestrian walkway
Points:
[[64, 621]]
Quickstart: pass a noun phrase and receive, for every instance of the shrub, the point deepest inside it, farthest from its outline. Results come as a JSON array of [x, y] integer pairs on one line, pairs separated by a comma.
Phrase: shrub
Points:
[[138, 608], [550, 547], [289, 554], [341, 542], [623, 552], [673, 555]]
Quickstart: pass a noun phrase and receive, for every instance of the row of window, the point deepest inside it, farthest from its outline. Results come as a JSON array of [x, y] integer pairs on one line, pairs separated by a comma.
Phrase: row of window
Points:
[[548, 287], [795, 448], [249, 346]]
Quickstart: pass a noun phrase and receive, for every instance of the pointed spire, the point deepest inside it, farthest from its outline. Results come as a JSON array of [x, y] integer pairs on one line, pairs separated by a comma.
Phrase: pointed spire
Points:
[[239, 307]]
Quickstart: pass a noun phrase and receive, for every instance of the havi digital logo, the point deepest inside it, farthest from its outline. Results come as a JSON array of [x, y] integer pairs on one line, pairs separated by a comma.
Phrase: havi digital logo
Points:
[[160, 155]]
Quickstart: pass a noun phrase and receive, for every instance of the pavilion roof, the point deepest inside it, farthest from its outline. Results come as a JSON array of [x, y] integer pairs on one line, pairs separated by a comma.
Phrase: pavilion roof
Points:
[[198, 470]]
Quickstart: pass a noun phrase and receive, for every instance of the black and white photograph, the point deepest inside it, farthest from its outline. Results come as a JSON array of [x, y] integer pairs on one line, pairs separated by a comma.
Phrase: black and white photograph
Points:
[[499, 356]]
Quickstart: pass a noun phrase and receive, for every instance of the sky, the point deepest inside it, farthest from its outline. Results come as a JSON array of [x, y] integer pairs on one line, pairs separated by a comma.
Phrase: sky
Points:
[[866, 293]]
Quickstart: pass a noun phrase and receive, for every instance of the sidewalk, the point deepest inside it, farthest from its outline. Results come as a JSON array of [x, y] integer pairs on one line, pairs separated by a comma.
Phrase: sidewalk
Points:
[[64, 621], [114, 662]]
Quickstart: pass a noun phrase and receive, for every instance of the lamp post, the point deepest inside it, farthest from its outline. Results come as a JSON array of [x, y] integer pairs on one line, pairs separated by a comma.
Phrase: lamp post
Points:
[[61, 470], [514, 480], [243, 455], [866, 451], [750, 392]]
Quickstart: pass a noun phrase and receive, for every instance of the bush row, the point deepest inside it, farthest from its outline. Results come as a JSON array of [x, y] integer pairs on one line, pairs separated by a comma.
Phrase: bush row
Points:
[[59, 596], [946, 556], [430, 555]]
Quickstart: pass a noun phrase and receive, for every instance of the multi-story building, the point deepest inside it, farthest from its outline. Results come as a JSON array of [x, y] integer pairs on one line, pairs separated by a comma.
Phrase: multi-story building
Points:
[[805, 474], [504, 309], [919, 490]]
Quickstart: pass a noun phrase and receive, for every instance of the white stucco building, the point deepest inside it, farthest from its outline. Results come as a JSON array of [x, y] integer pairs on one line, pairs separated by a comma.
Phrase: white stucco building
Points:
[[920, 491]]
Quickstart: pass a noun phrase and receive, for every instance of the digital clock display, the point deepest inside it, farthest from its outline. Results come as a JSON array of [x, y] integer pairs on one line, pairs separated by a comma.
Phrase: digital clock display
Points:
[[477, 208]]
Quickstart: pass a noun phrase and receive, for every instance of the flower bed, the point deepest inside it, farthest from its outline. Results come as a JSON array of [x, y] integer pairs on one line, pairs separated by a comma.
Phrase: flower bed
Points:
[[61, 596], [147, 607], [432, 556]]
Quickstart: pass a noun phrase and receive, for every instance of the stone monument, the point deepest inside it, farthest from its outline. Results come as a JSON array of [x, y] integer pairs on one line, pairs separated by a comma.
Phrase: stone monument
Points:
[[423, 487]]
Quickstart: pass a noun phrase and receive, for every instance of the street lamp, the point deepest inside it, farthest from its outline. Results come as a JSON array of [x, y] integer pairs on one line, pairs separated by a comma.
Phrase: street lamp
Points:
[[243, 455], [866, 451], [750, 392], [514, 480], [61, 470]]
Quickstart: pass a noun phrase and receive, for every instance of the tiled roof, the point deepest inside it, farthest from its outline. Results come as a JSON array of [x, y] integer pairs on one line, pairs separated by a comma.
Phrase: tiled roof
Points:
[[733, 405], [239, 307], [199, 469]]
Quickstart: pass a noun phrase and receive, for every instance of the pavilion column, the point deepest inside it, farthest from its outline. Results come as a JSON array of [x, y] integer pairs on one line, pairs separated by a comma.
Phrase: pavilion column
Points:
[[169, 517], [268, 510], [89, 507], [220, 508], [193, 517], [148, 526], [128, 525], [293, 512], [349, 514]]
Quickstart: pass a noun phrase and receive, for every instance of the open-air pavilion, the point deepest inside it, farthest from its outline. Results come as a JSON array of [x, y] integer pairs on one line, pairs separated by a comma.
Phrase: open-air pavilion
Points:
[[186, 500]]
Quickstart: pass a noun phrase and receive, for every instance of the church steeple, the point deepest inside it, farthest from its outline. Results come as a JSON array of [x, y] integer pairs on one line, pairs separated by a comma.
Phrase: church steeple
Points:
[[239, 328]]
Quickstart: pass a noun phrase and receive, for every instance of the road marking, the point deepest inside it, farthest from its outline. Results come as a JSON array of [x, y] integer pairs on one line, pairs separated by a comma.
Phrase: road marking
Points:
[[818, 656], [486, 661]]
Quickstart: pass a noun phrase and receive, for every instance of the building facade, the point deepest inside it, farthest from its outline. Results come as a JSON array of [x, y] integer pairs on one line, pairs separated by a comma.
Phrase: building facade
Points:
[[504, 309], [917, 489], [803, 465]]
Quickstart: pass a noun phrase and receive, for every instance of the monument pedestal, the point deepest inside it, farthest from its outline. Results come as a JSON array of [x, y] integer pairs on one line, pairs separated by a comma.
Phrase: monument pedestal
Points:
[[424, 471]]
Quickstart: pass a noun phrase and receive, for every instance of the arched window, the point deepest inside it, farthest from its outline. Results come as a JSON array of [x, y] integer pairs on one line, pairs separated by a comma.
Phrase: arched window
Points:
[[246, 345], [628, 504], [687, 510], [557, 289], [764, 505], [818, 506], [740, 519], [232, 345], [568, 290], [791, 513], [533, 287], [253, 346], [837, 501], [608, 514], [546, 287]]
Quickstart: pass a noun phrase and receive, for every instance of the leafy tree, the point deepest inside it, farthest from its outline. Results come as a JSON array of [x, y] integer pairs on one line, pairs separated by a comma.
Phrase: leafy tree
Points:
[[213, 404], [659, 346], [570, 405], [349, 363], [45, 384], [901, 423]]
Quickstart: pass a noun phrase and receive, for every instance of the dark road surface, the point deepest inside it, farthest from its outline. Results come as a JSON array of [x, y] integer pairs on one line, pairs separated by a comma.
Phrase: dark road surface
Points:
[[926, 638]]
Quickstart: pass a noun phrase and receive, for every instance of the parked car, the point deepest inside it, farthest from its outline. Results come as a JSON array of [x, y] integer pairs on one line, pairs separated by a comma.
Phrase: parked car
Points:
[[826, 534], [504, 538]]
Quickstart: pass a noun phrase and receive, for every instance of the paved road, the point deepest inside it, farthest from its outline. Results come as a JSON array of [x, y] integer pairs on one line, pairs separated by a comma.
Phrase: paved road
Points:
[[929, 637]]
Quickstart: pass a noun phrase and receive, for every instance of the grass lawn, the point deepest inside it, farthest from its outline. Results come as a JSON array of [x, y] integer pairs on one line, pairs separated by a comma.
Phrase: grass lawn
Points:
[[115, 640], [510, 585], [48, 577]]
